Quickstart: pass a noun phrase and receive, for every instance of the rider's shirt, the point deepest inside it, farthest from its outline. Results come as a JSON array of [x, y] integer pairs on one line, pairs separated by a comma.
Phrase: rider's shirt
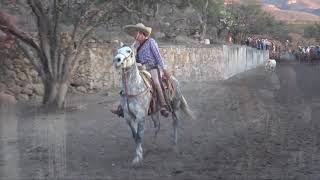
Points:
[[149, 54]]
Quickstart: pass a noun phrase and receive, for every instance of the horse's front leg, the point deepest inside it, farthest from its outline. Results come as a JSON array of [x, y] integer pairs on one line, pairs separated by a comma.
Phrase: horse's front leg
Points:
[[132, 124], [133, 127], [139, 139]]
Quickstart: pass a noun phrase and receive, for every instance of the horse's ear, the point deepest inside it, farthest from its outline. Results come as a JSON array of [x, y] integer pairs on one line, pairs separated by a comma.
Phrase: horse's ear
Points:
[[121, 44]]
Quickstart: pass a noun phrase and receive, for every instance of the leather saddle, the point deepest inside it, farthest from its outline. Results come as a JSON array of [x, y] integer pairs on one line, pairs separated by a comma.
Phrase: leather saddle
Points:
[[167, 86]]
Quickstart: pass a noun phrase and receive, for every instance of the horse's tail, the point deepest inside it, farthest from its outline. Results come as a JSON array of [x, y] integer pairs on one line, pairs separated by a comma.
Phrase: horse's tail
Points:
[[185, 108]]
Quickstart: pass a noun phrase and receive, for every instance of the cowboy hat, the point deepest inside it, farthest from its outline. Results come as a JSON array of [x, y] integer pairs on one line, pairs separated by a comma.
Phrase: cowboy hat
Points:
[[131, 29]]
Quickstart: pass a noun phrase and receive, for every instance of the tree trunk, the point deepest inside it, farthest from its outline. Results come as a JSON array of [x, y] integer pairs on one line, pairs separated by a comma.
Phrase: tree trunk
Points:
[[54, 94], [221, 32], [204, 20], [203, 30]]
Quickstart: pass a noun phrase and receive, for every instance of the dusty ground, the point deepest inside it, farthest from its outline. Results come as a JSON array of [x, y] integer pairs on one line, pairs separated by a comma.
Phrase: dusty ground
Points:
[[253, 126]]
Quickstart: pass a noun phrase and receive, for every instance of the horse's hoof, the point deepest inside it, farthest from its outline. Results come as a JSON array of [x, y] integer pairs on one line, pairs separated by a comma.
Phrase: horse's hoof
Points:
[[137, 161]]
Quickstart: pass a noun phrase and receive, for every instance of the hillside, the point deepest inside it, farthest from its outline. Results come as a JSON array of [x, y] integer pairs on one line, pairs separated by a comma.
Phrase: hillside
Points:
[[312, 4], [291, 16], [291, 4], [291, 11]]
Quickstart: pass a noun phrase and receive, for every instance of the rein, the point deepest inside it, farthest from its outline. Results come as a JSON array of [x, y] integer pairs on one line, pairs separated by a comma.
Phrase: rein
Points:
[[125, 72], [124, 75]]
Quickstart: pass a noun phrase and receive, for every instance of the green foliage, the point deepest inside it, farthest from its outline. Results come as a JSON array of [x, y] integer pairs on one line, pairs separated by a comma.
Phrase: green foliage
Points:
[[312, 31], [242, 17], [248, 18], [198, 4], [213, 9], [266, 24], [279, 30]]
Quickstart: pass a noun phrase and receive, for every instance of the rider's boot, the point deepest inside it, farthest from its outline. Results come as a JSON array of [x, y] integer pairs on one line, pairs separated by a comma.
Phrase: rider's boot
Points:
[[118, 110], [163, 105]]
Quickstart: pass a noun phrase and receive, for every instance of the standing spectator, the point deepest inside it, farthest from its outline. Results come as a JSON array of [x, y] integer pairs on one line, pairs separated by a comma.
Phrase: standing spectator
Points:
[[230, 39], [287, 45], [318, 50], [247, 42], [268, 44], [264, 43], [258, 44]]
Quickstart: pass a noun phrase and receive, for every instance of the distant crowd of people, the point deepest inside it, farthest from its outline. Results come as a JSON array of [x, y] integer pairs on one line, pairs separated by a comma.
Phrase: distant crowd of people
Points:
[[266, 44], [260, 43], [310, 49], [309, 52], [306, 52]]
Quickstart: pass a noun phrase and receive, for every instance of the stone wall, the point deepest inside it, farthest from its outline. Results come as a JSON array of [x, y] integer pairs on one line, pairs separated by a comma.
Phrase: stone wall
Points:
[[237, 59], [95, 71], [207, 63], [197, 64], [17, 76]]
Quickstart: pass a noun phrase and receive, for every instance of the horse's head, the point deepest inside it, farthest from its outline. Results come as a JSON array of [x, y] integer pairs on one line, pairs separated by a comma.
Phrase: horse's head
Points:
[[124, 58]]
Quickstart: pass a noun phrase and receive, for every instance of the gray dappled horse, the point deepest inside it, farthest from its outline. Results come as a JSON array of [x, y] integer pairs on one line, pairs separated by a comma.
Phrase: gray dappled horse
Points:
[[136, 97]]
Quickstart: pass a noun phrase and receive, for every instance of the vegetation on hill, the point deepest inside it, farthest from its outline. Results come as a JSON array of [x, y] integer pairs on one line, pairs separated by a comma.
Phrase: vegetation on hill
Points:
[[313, 31]]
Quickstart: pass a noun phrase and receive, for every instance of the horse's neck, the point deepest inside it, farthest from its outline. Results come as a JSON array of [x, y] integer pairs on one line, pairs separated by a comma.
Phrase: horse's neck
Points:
[[132, 78]]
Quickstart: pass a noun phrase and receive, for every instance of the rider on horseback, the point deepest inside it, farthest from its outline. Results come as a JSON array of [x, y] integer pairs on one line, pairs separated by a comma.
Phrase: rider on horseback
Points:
[[148, 54]]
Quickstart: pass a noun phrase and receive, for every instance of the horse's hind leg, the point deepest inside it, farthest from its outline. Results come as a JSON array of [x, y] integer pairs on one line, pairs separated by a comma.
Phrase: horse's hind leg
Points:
[[138, 139], [175, 125], [156, 123]]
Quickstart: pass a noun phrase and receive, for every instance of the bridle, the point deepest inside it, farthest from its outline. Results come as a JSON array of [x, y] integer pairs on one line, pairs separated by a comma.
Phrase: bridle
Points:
[[126, 57]]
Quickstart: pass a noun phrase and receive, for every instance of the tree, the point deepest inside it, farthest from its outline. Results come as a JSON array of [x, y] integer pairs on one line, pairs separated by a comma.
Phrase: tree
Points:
[[162, 15], [54, 51], [221, 20], [209, 12], [140, 10], [247, 18], [269, 26], [203, 11], [218, 17], [237, 24], [312, 31]]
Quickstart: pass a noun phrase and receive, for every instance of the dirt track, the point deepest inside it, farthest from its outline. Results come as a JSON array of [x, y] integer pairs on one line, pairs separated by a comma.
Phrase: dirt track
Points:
[[252, 126]]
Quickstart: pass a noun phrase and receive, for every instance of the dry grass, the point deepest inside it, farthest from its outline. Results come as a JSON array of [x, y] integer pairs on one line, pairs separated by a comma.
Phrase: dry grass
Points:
[[299, 40], [290, 16], [312, 4]]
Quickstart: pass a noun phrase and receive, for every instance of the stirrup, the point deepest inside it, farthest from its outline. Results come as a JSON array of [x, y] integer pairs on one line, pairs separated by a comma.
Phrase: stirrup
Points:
[[164, 111], [119, 111]]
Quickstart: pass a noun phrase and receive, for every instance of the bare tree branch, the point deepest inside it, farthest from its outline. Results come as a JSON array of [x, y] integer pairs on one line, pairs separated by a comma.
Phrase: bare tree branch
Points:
[[57, 55], [75, 60], [132, 11], [32, 58], [83, 9], [61, 58], [57, 9], [103, 19], [44, 30], [22, 36]]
